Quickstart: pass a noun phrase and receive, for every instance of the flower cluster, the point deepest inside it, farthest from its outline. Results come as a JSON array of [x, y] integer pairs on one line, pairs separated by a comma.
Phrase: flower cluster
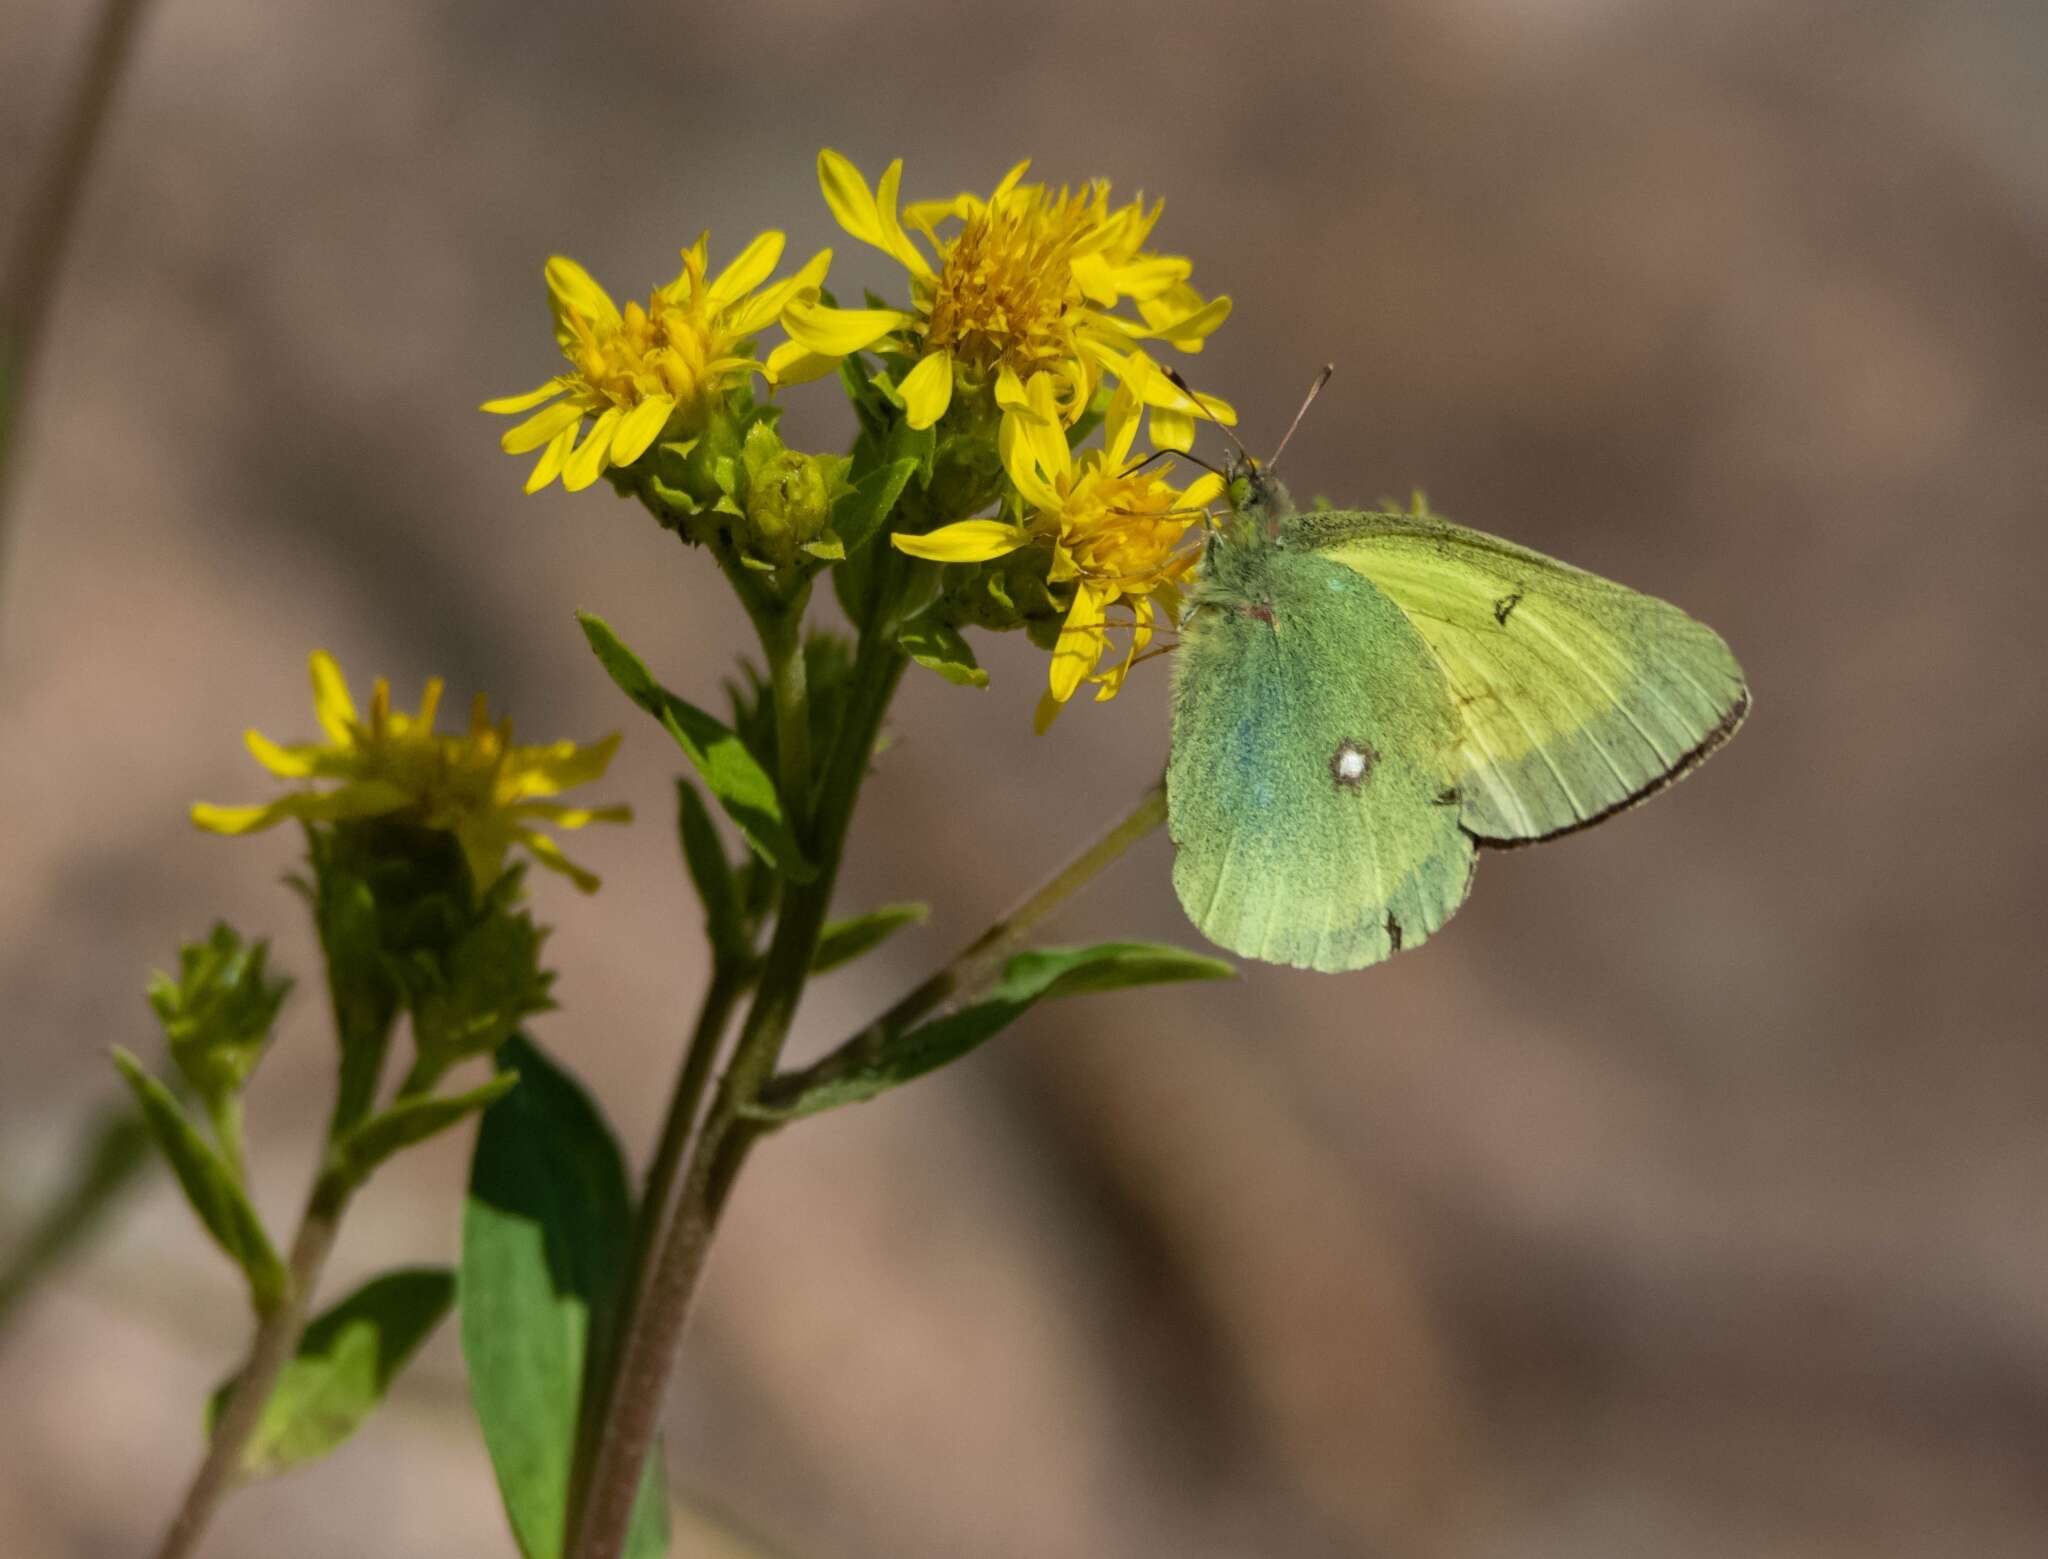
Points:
[[1113, 531], [639, 372], [1021, 288], [477, 786], [1032, 315]]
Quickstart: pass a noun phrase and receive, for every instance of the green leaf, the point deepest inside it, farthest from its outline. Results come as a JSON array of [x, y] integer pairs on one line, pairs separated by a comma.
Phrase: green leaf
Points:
[[859, 515], [346, 1362], [938, 646], [704, 853], [920, 445], [720, 758], [842, 941], [209, 1185], [546, 1239], [1027, 979], [409, 1121]]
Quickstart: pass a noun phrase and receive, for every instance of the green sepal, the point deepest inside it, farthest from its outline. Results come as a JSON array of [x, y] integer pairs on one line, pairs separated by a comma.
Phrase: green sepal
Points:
[[842, 941], [345, 1364], [466, 998], [1027, 979], [546, 1243], [938, 646], [363, 1147], [720, 758], [725, 925], [209, 1185]]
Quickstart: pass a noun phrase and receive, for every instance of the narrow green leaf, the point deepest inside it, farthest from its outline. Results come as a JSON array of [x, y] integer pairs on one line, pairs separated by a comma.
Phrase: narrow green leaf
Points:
[[1027, 979], [345, 1364], [938, 646], [704, 854], [209, 1185], [720, 758], [919, 445], [842, 941], [409, 1121], [546, 1237], [860, 514]]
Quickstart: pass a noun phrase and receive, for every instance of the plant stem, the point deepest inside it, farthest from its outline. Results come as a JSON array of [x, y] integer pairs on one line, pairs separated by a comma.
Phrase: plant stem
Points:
[[47, 220], [653, 1328], [972, 963], [720, 997], [276, 1340], [782, 641], [728, 982]]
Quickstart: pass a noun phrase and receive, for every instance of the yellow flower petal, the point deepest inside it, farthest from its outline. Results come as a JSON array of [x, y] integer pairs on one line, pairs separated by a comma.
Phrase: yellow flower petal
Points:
[[296, 762], [511, 404], [332, 706], [542, 771], [793, 363], [586, 464], [540, 428], [1187, 332], [927, 389], [749, 268], [964, 541], [1172, 429], [241, 820], [549, 466], [1202, 491], [893, 238], [573, 291], [573, 817], [847, 193], [836, 332], [1048, 711], [1013, 443], [1010, 394], [1080, 642], [640, 427], [1120, 427], [1048, 437], [767, 305], [550, 855]]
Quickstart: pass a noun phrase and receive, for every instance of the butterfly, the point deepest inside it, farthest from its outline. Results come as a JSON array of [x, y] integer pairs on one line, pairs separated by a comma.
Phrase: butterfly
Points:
[[1362, 700]]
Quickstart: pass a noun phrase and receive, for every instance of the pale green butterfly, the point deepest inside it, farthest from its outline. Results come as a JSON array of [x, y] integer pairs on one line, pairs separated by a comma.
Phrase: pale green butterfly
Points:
[[1363, 699]]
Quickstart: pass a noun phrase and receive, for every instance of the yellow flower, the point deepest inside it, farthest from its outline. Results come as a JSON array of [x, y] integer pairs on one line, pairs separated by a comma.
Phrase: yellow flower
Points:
[[1024, 290], [640, 371], [477, 786], [1116, 533]]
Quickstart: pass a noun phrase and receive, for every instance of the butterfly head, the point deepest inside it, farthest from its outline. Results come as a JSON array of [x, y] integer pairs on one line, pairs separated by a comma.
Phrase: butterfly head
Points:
[[1257, 501]]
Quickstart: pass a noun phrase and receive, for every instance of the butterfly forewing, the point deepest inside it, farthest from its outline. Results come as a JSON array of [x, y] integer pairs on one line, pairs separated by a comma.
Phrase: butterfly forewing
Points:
[[1312, 787], [1575, 696]]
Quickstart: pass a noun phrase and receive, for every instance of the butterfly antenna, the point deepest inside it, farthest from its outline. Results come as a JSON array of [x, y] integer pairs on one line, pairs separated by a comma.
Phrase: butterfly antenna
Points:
[[1170, 454], [1180, 384], [1307, 401]]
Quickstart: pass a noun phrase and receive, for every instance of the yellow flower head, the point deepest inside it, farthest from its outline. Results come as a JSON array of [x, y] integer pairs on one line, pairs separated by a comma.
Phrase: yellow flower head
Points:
[[1114, 532], [1024, 289], [476, 786], [641, 370]]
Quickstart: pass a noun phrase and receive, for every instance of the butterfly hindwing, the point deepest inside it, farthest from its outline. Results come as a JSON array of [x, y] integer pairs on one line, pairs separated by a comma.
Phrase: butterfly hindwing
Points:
[[1312, 787], [1575, 696]]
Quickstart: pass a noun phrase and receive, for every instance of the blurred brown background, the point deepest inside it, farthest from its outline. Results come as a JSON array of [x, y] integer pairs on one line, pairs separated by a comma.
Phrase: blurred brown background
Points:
[[1685, 1199]]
